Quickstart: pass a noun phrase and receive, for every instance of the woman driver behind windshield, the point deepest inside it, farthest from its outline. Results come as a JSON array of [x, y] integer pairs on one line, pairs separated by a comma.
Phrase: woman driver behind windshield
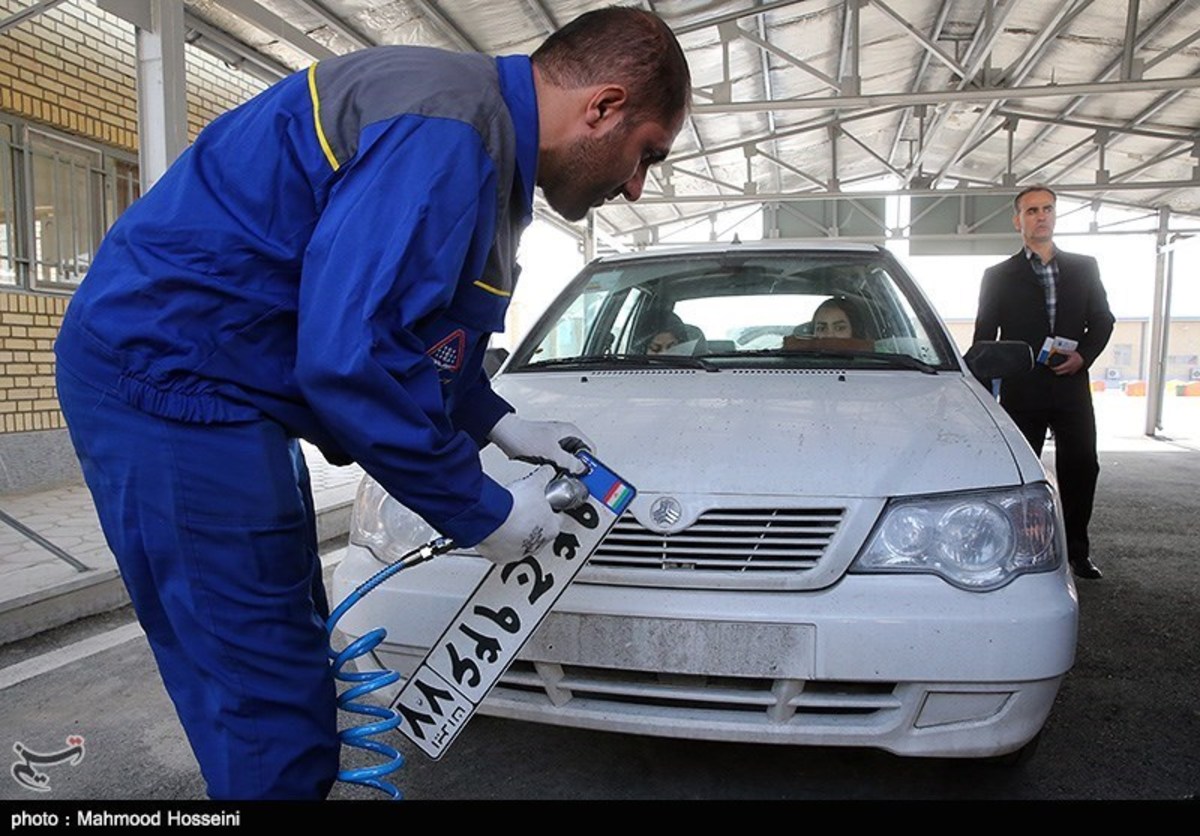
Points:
[[838, 318]]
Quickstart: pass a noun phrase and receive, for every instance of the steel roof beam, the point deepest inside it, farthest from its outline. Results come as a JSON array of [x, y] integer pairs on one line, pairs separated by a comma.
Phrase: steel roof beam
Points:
[[656, 177], [716, 182], [934, 97], [848, 55], [985, 45], [1131, 16], [806, 127], [1152, 109], [1162, 102], [1161, 157], [1017, 72], [905, 117], [1028, 175], [730, 21], [989, 189], [26, 13], [272, 24], [929, 45], [784, 55], [816, 181], [1097, 124], [988, 135], [1171, 50], [1074, 105], [227, 48], [335, 23], [769, 92], [691, 219], [1058, 23], [728, 17], [870, 151], [981, 48], [442, 22]]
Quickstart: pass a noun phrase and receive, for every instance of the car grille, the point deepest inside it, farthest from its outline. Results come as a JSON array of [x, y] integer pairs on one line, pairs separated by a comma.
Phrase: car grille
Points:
[[754, 700], [729, 539]]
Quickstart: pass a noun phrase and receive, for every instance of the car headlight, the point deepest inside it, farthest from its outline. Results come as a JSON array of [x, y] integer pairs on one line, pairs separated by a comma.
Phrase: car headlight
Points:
[[383, 526], [977, 541]]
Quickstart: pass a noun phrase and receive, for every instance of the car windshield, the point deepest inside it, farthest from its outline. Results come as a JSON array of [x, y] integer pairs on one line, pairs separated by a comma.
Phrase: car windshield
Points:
[[714, 311]]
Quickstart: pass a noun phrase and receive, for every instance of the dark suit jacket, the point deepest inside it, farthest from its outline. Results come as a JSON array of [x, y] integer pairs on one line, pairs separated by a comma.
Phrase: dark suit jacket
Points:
[[1013, 303]]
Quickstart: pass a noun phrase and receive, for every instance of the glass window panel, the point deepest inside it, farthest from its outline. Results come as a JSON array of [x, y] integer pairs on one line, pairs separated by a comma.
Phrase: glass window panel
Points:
[[8, 208], [68, 211], [126, 187]]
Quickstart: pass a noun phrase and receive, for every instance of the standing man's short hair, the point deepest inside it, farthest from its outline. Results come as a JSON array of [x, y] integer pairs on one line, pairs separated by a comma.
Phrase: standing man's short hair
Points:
[[624, 45], [1036, 187]]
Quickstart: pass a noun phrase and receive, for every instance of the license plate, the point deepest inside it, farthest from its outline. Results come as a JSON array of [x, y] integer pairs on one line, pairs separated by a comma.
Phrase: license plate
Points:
[[676, 645], [501, 614]]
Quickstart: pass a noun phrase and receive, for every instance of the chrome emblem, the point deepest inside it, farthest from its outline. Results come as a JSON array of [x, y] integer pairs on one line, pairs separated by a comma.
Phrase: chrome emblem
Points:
[[665, 512]]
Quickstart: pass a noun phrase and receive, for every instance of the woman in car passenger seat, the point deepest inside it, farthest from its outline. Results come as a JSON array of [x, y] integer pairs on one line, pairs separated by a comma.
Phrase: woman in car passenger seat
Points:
[[664, 332], [838, 318]]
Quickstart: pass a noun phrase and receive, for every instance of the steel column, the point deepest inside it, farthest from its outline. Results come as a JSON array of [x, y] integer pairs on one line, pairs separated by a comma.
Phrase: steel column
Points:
[[1158, 329], [161, 82]]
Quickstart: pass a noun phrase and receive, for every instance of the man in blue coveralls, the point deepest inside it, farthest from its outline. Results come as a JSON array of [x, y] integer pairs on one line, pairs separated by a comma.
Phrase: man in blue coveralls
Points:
[[327, 262]]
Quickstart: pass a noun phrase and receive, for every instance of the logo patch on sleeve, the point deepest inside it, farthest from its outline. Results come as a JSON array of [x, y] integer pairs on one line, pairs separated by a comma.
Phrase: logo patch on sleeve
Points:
[[447, 355]]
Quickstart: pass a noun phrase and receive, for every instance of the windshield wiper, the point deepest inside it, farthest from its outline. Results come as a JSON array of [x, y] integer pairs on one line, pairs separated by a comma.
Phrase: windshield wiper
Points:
[[758, 352], [904, 361], [591, 361]]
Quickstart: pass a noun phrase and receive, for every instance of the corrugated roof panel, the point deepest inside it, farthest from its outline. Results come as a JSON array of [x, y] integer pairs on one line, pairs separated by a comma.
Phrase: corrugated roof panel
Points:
[[795, 52]]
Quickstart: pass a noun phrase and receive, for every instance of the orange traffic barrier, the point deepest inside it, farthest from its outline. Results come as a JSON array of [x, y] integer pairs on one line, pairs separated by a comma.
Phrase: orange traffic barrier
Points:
[[1098, 386], [1191, 390], [1136, 388]]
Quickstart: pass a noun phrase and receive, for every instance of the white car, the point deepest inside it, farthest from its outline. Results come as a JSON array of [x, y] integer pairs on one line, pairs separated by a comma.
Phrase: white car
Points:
[[836, 540]]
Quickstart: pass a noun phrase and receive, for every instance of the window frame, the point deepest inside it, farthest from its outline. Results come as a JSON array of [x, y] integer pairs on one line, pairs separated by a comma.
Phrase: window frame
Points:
[[112, 184]]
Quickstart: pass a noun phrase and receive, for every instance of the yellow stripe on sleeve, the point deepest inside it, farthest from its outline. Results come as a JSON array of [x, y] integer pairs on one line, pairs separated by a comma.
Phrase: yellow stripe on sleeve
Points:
[[316, 101], [494, 290]]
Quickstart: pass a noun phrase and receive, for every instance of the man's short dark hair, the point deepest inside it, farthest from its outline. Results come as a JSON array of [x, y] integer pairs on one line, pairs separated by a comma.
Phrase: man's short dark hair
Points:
[[631, 47], [1036, 187]]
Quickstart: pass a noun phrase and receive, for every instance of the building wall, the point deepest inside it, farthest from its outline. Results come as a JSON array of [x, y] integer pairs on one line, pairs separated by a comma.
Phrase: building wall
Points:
[[28, 326], [72, 69], [1183, 350]]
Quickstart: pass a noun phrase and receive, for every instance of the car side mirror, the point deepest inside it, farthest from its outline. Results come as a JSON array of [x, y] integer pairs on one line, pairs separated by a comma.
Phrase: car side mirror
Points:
[[493, 359], [999, 358]]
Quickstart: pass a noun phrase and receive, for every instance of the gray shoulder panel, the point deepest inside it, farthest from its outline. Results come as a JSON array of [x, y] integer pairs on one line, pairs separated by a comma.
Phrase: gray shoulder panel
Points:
[[363, 88], [379, 83]]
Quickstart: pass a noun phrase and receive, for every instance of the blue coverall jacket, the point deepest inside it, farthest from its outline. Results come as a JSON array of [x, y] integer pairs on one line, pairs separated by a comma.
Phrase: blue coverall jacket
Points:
[[325, 262], [333, 256]]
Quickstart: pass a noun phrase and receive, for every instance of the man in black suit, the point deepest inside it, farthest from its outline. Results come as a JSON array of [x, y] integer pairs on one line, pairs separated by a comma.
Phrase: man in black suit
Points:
[[1044, 292]]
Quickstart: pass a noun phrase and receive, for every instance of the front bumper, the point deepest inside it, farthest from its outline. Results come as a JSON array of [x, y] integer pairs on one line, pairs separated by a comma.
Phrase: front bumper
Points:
[[908, 664]]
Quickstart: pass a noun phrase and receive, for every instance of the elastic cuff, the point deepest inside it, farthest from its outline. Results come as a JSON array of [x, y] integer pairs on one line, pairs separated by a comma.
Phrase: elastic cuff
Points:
[[482, 416], [481, 519]]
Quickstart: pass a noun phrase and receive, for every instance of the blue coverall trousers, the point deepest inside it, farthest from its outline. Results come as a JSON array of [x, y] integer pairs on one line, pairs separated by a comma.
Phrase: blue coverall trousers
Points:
[[213, 529]]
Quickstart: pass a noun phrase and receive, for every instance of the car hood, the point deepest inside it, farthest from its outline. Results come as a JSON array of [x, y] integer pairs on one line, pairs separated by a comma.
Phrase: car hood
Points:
[[797, 432]]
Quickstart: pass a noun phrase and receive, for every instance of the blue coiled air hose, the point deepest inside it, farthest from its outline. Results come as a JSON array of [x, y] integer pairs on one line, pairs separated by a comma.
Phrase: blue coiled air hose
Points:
[[363, 736], [562, 492]]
